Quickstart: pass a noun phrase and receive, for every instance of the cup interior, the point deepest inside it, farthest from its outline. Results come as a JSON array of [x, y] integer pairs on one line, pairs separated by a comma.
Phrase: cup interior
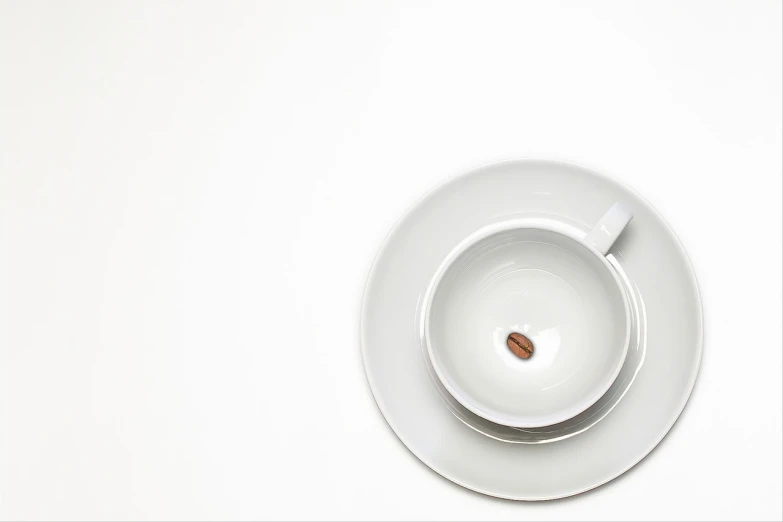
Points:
[[540, 282]]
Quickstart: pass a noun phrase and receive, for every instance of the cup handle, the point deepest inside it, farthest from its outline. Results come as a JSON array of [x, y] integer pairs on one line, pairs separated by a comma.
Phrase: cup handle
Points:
[[609, 228]]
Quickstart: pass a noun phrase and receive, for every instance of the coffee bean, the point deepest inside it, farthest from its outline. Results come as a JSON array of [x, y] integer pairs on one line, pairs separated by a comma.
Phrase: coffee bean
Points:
[[520, 345]]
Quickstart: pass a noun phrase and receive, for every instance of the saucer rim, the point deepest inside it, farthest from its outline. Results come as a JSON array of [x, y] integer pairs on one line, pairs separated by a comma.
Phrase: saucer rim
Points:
[[604, 177]]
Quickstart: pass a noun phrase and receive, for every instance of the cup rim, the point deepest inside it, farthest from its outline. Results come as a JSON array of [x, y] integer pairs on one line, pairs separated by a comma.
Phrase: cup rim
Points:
[[550, 225]]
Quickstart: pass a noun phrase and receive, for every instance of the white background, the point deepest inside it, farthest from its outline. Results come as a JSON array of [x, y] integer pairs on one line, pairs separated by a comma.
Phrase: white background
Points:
[[192, 193]]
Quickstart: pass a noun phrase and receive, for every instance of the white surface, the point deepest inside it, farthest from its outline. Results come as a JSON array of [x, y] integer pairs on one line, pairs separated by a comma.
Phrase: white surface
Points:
[[655, 271], [535, 277], [191, 197]]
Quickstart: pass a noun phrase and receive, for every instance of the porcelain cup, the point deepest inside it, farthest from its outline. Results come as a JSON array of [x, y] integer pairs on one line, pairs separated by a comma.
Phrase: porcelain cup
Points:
[[547, 281]]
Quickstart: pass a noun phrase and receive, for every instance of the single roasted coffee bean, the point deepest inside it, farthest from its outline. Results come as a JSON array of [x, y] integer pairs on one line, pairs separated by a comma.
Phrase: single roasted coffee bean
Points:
[[520, 345]]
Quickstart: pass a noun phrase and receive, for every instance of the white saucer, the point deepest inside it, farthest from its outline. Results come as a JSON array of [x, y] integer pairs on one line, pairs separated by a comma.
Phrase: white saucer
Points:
[[396, 367]]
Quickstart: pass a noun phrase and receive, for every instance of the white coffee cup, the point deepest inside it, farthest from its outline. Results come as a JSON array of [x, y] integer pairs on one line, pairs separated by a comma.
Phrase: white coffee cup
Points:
[[547, 281]]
